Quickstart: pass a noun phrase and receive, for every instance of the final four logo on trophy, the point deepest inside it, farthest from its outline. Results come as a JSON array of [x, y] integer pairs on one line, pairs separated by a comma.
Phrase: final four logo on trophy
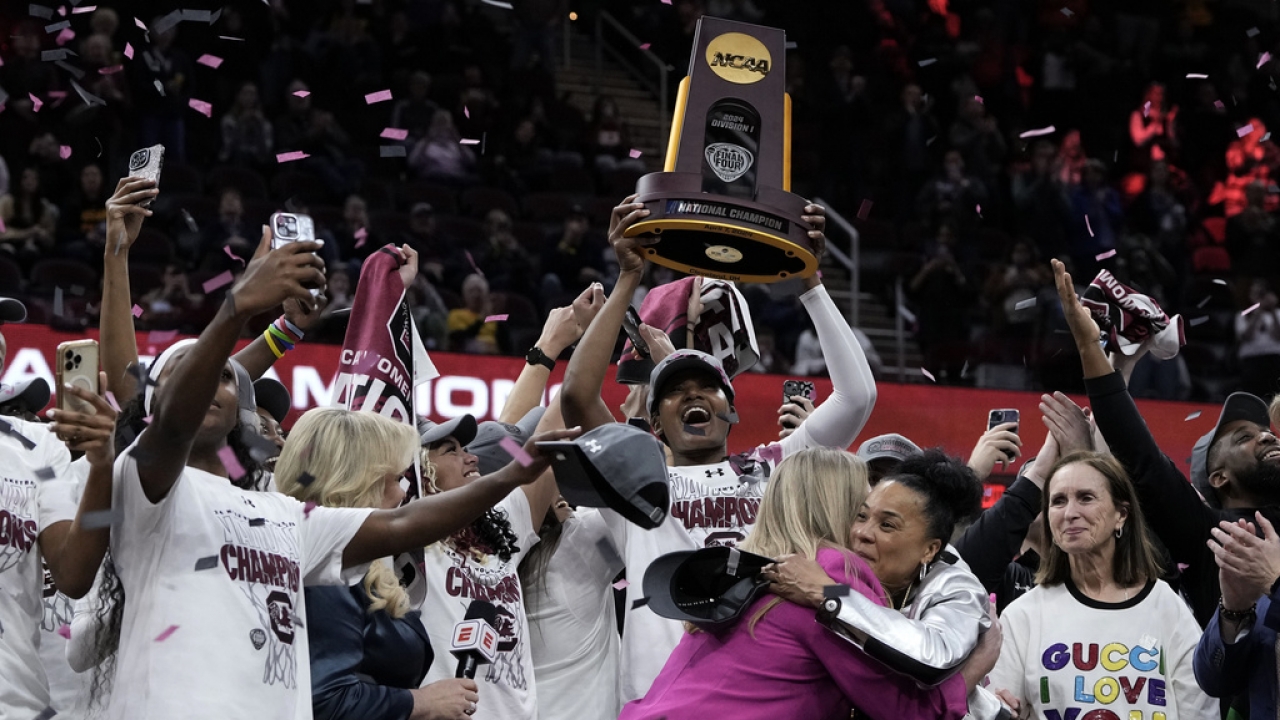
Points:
[[722, 205]]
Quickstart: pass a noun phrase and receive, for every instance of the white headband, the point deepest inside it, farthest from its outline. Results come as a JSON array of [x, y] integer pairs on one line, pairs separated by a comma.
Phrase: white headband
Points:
[[157, 366]]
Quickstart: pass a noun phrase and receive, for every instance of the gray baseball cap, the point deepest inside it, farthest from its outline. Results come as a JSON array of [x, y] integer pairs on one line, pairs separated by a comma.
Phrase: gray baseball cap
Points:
[[1239, 406], [686, 360], [893, 446], [31, 395], [12, 311], [618, 466], [461, 428], [490, 433]]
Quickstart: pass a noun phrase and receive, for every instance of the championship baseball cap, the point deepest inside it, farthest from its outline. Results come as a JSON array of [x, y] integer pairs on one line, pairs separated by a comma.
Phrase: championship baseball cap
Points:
[[685, 360], [707, 587], [618, 466], [892, 446], [461, 428], [272, 397], [489, 434], [30, 395], [12, 311], [1239, 406]]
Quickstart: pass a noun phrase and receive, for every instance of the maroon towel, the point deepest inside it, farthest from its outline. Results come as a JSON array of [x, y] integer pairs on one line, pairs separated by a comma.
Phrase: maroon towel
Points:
[[1128, 318], [723, 326]]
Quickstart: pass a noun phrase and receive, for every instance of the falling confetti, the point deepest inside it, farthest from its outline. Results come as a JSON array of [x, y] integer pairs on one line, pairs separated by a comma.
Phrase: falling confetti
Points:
[[1067, 12], [36, 103], [291, 156], [201, 107], [978, 209], [1249, 309], [207, 563], [57, 301], [1245, 130], [979, 99], [110, 70], [1103, 256], [1024, 304], [377, 97], [495, 318], [161, 337], [362, 236], [55, 27], [1088, 226], [40, 11], [82, 10], [217, 281], [1219, 281], [394, 133], [64, 151], [1038, 132], [307, 508], [231, 462], [1192, 416], [472, 260], [387, 151], [207, 60], [139, 23], [1263, 59], [99, 519], [927, 62], [1198, 321], [928, 375], [229, 37], [1146, 108], [46, 473], [621, 584], [128, 51], [167, 632], [466, 112], [301, 93], [634, 153], [111, 400], [499, 4], [516, 452], [644, 46], [1252, 32], [1197, 76], [65, 631], [864, 210], [468, 141], [1218, 104], [137, 310]]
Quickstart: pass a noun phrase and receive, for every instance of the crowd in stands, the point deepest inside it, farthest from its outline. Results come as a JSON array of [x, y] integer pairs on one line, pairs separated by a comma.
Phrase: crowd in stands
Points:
[[969, 143]]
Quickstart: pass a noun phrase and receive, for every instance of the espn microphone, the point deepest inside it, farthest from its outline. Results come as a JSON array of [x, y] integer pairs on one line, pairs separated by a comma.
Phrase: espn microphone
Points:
[[474, 639]]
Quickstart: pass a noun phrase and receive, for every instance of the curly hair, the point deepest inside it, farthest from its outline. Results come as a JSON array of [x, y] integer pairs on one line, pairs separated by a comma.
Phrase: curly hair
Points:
[[490, 533]]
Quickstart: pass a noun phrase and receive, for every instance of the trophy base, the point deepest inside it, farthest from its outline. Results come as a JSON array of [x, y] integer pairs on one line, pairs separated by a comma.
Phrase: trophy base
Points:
[[723, 237]]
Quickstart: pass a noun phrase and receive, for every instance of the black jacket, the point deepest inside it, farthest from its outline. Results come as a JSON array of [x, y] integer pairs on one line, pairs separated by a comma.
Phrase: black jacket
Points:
[[992, 542], [362, 664], [1174, 511]]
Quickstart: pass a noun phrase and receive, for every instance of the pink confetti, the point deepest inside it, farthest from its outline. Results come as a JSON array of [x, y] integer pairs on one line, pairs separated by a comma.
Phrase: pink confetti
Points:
[[147, 419], [66, 36], [1146, 108], [516, 452], [864, 210], [1088, 226], [64, 151], [137, 310], [978, 209], [291, 156], [1197, 76], [621, 584], [111, 400], [1250, 309], [231, 463], [472, 260], [469, 141], [1245, 130], [301, 93], [65, 631], [226, 250], [495, 318], [377, 97], [979, 99], [394, 133], [207, 60], [1103, 256], [1263, 59], [635, 153], [307, 507], [1218, 104], [167, 632], [466, 112], [644, 46], [36, 102], [85, 9], [201, 107], [221, 280], [362, 236], [1182, 567], [128, 51], [1038, 132], [139, 23], [666, 2], [928, 375], [111, 70]]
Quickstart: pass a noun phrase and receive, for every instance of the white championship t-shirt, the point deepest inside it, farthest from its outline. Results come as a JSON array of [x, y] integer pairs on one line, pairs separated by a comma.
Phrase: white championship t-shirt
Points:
[[456, 573], [214, 615], [68, 689], [711, 505], [28, 505], [573, 629]]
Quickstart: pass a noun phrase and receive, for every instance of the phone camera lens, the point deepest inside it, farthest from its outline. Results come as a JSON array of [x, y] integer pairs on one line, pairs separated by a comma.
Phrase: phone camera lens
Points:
[[77, 361], [69, 365], [71, 354]]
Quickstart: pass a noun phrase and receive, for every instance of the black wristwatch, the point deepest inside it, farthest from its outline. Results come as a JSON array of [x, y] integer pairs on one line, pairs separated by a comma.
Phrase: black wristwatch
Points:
[[535, 356]]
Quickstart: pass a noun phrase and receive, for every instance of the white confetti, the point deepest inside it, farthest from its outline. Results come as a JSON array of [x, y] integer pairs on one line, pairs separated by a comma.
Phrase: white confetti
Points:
[[499, 3], [1088, 226], [1220, 281], [1024, 304], [1252, 32], [1197, 76], [929, 375], [1249, 309], [1038, 132], [927, 62], [1198, 321]]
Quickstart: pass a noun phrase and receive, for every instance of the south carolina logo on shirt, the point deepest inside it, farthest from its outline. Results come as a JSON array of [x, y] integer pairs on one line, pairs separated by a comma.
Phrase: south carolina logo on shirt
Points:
[[18, 527]]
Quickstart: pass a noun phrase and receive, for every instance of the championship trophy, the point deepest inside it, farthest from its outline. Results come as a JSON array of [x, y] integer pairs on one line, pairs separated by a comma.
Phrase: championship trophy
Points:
[[721, 207]]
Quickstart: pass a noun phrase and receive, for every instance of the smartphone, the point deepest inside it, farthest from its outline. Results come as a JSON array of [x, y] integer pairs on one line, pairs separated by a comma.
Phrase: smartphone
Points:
[[78, 366], [292, 227], [1000, 417], [147, 163], [791, 388], [631, 325]]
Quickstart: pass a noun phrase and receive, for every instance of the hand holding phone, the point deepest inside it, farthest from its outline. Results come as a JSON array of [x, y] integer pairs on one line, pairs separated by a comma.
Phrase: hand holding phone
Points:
[[77, 365], [631, 326], [1000, 417], [292, 227], [147, 163], [794, 388]]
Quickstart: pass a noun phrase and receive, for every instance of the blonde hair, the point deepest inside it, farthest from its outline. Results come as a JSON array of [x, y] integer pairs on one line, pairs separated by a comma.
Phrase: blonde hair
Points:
[[348, 454], [810, 502]]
